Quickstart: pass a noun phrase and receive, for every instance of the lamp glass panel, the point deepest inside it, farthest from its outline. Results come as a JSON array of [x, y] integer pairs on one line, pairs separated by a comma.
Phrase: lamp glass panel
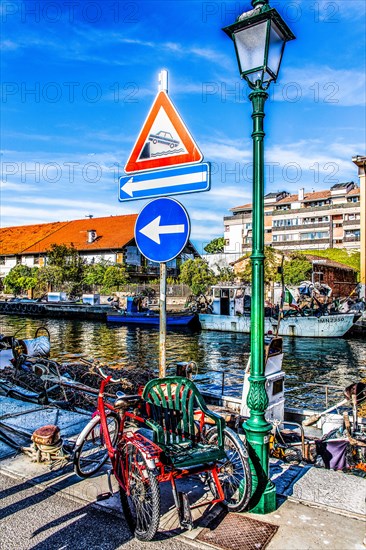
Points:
[[250, 44], [276, 42]]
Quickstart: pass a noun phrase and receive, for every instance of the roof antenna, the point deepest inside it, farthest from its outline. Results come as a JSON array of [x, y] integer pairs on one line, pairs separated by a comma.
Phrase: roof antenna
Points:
[[90, 216]]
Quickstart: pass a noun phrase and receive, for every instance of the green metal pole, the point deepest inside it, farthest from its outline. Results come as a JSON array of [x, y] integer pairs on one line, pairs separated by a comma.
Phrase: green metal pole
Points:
[[263, 499]]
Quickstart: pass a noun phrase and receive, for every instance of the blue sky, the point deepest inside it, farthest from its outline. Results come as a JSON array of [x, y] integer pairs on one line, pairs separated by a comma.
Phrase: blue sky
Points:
[[79, 79]]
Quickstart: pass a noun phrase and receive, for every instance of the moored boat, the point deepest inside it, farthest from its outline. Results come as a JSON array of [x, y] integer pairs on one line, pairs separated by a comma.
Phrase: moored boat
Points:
[[132, 316], [231, 312]]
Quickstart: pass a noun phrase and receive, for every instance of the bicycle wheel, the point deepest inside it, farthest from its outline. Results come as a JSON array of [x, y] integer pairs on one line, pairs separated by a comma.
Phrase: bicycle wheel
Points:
[[234, 471], [90, 453], [141, 499]]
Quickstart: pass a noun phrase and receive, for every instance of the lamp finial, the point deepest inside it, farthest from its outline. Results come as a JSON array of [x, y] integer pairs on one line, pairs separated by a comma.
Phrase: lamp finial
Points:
[[259, 3]]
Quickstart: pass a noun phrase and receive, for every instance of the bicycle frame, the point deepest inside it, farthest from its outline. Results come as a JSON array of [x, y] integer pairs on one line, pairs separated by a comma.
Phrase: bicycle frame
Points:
[[150, 450]]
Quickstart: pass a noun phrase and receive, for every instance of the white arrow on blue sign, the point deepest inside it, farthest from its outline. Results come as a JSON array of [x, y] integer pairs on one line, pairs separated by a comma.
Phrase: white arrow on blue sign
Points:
[[162, 229], [190, 178]]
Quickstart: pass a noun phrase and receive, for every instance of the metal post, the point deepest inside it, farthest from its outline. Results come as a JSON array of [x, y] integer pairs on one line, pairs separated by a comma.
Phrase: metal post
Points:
[[257, 429], [162, 324], [360, 162]]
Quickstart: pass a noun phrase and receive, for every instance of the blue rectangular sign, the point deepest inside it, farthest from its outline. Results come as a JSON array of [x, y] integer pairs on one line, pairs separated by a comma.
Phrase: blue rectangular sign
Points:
[[189, 178]]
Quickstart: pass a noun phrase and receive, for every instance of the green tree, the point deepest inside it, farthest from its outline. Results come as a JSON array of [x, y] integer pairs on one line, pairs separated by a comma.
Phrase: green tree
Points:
[[272, 261], [49, 276], [20, 278], [215, 246], [197, 275], [296, 269], [94, 273], [71, 264], [114, 277], [225, 275], [351, 258]]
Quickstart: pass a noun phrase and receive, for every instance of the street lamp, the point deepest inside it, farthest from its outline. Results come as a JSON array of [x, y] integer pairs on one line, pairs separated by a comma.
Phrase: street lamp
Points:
[[259, 37]]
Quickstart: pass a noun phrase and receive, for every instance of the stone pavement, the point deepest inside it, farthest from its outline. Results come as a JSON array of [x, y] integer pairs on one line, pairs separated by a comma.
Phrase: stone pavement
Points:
[[316, 507]]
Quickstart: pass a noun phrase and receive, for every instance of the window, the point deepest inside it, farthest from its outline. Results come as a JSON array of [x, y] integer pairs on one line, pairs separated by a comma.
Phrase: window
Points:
[[227, 242], [314, 235], [227, 227], [352, 199], [2, 260], [338, 225], [355, 233], [35, 260], [18, 260]]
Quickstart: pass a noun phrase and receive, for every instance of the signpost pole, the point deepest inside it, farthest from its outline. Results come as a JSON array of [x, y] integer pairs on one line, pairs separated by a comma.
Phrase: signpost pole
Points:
[[162, 333]]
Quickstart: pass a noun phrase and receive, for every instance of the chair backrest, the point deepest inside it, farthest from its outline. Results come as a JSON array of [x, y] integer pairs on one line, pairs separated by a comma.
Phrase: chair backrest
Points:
[[171, 402]]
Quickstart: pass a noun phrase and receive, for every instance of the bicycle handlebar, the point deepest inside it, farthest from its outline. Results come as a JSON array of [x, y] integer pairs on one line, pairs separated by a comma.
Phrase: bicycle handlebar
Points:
[[105, 376]]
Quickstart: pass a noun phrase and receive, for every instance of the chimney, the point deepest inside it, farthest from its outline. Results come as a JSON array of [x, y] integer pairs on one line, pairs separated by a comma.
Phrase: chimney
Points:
[[92, 235], [301, 194]]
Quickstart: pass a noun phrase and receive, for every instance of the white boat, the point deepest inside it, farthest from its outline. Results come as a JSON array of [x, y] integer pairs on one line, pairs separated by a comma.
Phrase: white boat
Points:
[[230, 312]]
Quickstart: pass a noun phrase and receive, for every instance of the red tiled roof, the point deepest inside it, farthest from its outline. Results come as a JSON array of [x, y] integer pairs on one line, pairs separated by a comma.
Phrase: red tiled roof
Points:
[[244, 207], [112, 232], [355, 191], [316, 195], [13, 240]]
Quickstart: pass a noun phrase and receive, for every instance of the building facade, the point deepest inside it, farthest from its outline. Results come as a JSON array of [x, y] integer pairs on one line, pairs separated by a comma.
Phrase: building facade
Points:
[[110, 239], [305, 221]]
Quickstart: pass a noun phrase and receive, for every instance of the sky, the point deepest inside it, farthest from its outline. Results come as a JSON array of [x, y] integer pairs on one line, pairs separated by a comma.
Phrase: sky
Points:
[[79, 78]]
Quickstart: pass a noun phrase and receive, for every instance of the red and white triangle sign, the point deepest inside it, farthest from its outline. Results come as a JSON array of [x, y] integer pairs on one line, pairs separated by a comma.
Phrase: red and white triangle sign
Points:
[[163, 141]]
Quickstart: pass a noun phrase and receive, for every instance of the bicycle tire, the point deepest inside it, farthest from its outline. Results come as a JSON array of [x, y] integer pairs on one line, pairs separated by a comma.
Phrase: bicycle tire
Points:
[[91, 453], [235, 476], [141, 507]]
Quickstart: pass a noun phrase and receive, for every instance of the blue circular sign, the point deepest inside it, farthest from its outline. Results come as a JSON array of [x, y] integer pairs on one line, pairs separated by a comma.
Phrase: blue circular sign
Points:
[[162, 229]]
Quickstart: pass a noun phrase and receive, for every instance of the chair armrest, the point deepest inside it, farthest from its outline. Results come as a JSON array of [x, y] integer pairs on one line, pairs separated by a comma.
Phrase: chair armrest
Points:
[[219, 421], [157, 429]]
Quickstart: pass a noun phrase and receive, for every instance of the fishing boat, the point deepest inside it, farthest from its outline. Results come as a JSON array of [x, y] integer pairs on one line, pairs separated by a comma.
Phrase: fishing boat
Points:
[[230, 311], [133, 315]]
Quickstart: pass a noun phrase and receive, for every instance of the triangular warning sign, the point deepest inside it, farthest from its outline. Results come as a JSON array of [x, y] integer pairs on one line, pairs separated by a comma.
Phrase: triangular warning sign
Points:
[[164, 140]]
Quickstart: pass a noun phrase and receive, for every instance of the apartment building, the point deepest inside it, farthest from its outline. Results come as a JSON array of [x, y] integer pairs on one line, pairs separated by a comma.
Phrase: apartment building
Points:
[[305, 221]]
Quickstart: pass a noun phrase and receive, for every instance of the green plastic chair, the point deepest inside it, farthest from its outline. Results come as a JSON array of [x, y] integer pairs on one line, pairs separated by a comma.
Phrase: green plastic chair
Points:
[[172, 403]]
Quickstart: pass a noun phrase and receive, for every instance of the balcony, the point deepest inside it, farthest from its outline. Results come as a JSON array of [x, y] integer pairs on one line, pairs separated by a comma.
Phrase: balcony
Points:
[[355, 223], [317, 208], [353, 239], [293, 244], [301, 227]]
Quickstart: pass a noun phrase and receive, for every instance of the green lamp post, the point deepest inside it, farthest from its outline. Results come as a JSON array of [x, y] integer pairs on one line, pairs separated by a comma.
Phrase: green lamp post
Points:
[[259, 37]]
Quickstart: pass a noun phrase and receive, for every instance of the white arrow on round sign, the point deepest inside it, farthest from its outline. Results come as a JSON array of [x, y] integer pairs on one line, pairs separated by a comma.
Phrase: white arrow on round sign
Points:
[[162, 229]]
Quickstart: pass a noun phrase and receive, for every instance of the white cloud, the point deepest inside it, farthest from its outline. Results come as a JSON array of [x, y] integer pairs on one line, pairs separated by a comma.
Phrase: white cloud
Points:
[[321, 84]]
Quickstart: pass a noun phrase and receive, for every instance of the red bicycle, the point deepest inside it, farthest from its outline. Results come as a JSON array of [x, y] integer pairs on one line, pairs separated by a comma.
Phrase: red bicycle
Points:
[[165, 438]]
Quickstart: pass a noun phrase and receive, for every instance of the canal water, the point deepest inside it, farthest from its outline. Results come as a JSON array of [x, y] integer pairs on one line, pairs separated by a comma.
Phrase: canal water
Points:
[[337, 362]]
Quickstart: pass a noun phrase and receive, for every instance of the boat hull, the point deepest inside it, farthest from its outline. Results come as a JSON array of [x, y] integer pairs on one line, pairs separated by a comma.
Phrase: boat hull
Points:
[[326, 326], [151, 319]]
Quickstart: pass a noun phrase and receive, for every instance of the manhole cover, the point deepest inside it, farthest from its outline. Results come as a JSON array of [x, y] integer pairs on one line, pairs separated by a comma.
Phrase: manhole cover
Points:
[[236, 532]]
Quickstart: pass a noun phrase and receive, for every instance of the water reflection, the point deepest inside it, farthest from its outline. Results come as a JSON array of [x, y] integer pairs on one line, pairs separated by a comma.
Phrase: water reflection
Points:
[[326, 361]]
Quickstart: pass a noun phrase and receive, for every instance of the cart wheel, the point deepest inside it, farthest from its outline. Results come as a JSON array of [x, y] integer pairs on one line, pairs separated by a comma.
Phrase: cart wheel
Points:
[[91, 453], [234, 471], [141, 497]]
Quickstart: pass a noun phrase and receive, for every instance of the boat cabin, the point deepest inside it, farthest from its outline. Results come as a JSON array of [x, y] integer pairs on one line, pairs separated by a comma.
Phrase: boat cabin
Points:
[[230, 300]]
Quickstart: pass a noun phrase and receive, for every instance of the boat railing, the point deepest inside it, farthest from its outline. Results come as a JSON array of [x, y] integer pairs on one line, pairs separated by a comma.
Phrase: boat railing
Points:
[[328, 389]]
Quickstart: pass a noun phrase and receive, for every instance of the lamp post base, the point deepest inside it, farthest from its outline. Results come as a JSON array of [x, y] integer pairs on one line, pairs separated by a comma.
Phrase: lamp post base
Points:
[[263, 497], [267, 502]]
